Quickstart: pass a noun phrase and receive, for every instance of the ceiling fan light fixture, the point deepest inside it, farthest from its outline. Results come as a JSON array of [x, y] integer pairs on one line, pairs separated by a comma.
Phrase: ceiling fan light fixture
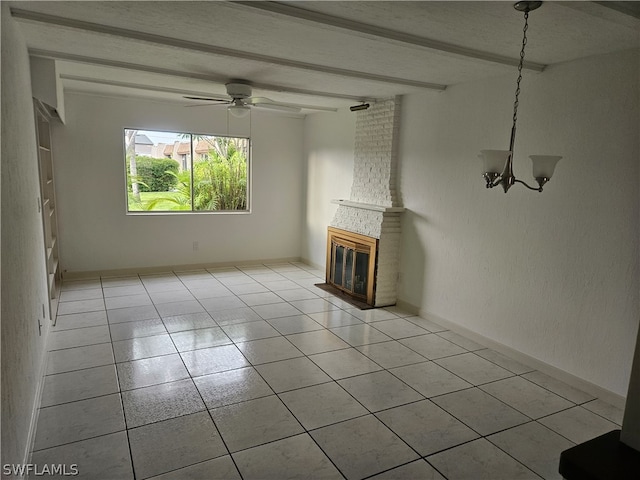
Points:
[[239, 111]]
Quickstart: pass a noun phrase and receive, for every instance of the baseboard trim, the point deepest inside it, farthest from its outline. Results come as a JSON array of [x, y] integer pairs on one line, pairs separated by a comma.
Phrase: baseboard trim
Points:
[[577, 382], [407, 307], [35, 412], [316, 266], [118, 272]]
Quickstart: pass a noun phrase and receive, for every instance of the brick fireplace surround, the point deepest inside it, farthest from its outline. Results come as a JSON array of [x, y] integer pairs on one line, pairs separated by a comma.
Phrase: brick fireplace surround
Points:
[[373, 208]]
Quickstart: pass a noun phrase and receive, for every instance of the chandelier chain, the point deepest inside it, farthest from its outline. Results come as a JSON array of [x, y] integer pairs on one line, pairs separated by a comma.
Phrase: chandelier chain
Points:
[[524, 43]]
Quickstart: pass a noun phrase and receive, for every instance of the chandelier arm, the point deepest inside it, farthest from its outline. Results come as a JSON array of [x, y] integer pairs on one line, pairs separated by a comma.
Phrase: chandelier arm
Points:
[[539, 189], [492, 180]]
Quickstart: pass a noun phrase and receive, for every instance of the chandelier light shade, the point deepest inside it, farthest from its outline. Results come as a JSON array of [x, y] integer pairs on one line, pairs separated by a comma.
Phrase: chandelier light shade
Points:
[[543, 167], [494, 161], [498, 164]]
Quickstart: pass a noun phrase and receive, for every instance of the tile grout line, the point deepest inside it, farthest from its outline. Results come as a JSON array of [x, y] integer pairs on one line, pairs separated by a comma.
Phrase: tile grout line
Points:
[[186, 369], [124, 414], [195, 385]]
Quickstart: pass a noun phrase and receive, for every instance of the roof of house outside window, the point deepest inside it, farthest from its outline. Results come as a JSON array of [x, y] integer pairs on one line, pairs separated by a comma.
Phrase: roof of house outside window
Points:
[[168, 149], [202, 147], [184, 148], [142, 139]]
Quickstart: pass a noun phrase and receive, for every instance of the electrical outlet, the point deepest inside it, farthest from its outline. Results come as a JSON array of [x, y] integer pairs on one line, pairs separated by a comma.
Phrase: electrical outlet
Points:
[[196, 246]]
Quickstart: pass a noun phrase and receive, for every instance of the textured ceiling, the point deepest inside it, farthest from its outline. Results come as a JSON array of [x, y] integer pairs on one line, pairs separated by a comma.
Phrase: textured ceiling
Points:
[[318, 53]]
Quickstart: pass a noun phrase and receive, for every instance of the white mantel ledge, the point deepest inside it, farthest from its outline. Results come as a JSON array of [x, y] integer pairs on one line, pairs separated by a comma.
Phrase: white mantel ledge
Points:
[[368, 206]]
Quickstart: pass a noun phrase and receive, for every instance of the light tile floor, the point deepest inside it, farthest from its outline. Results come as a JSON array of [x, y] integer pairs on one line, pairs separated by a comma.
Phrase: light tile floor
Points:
[[253, 372]]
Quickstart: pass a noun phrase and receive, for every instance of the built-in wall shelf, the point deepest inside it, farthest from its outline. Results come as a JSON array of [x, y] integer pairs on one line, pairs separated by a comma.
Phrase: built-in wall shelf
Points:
[[47, 197]]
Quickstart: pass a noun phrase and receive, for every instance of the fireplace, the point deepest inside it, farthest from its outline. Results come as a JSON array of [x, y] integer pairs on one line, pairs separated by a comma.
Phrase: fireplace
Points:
[[363, 245], [351, 263]]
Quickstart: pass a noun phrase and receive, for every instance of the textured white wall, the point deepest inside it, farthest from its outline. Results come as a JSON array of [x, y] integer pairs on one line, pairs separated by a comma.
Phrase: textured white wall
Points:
[[24, 287], [553, 275], [96, 233], [328, 150]]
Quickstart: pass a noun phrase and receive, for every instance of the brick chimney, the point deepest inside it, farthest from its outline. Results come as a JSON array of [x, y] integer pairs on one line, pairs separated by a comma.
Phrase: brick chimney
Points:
[[373, 207]]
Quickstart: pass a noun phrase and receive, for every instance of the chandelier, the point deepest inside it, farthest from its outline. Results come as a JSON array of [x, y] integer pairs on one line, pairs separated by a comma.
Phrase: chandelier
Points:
[[498, 164]]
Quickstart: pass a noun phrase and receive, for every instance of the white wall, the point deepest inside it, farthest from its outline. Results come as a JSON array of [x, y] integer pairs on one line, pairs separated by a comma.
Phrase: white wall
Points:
[[98, 235], [553, 275], [328, 149], [24, 287]]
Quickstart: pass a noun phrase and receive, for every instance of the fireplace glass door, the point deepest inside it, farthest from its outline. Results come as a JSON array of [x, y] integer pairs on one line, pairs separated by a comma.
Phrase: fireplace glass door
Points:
[[350, 267]]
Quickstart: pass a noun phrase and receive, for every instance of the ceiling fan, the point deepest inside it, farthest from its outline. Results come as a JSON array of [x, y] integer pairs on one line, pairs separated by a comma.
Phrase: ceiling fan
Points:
[[240, 101]]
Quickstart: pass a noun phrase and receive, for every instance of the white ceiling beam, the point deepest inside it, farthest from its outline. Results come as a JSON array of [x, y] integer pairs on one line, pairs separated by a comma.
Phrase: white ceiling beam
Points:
[[138, 86], [179, 91], [626, 14], [220, 79], [375, 32], [41, 18]]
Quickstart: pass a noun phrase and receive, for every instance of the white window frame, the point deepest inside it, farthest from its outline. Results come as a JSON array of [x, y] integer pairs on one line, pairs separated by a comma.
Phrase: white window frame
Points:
[[188, 159]]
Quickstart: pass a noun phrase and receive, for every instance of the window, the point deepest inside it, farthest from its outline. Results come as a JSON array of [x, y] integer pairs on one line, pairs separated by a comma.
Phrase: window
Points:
[[186, 172]]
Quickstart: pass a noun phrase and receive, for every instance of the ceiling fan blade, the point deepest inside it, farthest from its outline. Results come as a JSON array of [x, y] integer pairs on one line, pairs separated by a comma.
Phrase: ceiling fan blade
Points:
[[209, 104], [208, 99], [263, 102], [275, 106], [268, 103]]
